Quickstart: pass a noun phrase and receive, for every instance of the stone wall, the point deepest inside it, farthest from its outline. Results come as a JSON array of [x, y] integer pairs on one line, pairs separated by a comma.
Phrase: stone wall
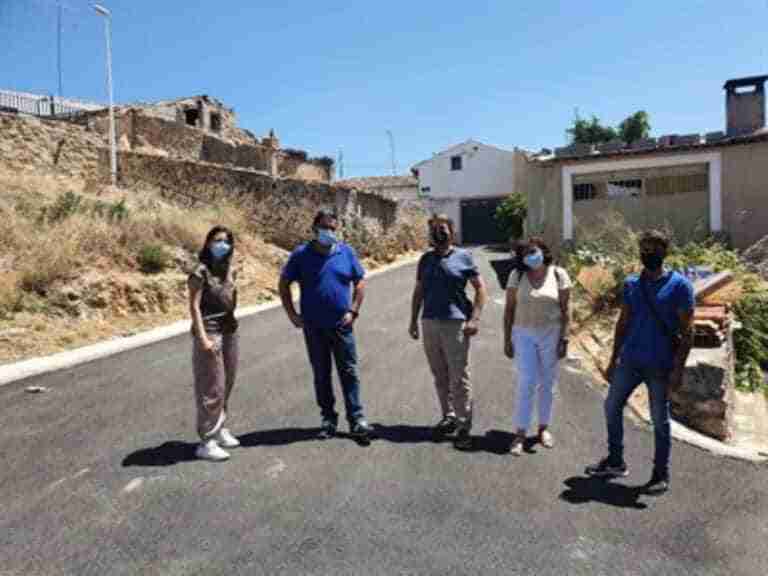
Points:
[[292, 166], [29, 144]]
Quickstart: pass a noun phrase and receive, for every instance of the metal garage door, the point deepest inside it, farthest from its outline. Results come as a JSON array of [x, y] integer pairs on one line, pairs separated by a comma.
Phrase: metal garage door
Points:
[[477, 223]]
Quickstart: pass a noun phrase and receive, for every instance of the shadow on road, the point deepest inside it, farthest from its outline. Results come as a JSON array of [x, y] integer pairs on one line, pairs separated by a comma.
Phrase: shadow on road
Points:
[[279, 437], [583, 489], [406, 434], [166, 454]]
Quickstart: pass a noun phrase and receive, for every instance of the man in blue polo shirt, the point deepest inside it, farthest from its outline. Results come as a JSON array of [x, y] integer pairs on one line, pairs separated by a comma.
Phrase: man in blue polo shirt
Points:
[[332, 289], [652, 340]]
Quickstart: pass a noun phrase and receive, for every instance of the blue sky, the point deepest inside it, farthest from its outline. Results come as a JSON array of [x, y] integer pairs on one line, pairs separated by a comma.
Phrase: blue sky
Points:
[[338, 74]]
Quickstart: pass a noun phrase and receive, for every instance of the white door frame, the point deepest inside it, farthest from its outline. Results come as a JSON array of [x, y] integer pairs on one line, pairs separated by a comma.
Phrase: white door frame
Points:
[[712, 159]]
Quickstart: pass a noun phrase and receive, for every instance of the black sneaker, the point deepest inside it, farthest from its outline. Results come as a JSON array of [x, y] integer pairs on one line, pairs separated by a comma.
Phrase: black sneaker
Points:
[[658, 484], [607, 468], [361, 429], [446, 426], [327, 430], [463, 440]]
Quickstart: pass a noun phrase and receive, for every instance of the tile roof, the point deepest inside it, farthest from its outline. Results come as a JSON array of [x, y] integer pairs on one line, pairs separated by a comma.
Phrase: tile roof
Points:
[[669, 144]]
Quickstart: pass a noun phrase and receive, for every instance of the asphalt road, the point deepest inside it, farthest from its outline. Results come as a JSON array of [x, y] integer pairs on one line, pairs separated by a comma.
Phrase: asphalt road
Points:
[[98, 475]]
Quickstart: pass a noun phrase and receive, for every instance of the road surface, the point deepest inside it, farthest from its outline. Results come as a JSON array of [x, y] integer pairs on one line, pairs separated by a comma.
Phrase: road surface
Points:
[[99, 477]]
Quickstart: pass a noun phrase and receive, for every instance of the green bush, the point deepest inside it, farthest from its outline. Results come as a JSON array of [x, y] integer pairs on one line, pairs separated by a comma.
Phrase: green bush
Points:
[[511, 214], [65, 205], [112, 211], [153, 258], [751, 341]]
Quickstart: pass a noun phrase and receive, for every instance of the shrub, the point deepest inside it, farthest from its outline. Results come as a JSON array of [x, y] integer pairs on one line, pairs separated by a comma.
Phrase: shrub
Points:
[[751, 341], [511, 214], [65, 205], [152, 258]]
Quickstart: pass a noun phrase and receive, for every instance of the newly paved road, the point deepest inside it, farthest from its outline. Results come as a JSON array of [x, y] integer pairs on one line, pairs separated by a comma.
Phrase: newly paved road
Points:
[[98, 475]]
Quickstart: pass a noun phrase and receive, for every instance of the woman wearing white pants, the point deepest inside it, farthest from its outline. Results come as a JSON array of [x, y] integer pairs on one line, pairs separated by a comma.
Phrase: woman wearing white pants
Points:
[[536, 320]]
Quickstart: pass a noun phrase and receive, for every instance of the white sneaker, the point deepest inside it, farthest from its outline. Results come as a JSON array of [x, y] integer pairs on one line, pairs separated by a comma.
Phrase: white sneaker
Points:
[[211, 450], [225, 439]]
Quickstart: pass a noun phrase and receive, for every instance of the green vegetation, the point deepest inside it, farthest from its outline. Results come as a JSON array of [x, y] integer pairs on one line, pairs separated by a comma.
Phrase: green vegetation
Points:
[[511, 214], [592, 131], [152, 258]]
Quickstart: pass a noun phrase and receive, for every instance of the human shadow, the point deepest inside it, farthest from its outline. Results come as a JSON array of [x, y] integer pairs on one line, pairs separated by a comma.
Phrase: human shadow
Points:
[[167, 454], [279, 437], [583, 489], [500, 442], [407, 434]]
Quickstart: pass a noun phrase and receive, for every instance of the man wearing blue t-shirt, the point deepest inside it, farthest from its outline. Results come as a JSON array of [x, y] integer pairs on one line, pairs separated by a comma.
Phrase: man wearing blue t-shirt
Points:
[[330, 278], [652, 341]]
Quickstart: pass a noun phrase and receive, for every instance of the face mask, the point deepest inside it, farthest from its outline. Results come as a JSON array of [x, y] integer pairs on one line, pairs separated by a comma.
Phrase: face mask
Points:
[[220, 249], [652, 261], [439, 236], [326, 237], [534, 260]]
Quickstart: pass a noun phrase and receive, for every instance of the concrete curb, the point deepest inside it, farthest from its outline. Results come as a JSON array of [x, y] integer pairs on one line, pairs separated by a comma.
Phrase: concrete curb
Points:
[[37, 366], [685, 434]]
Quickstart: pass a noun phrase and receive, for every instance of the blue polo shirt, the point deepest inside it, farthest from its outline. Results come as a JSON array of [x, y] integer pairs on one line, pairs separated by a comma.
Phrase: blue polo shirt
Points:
[[325, 282], [444, 282], [646, 345]]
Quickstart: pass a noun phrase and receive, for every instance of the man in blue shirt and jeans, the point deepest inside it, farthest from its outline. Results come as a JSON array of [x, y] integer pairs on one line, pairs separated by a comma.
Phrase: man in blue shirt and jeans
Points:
[[652, 341], [332, 289]]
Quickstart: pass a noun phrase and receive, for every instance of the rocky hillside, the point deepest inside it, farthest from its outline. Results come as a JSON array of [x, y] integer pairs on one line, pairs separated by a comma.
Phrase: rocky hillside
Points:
[[83, 264]]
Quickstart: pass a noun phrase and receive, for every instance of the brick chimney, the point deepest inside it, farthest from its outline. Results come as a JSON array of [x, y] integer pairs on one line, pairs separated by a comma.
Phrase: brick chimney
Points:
[[745, 105]]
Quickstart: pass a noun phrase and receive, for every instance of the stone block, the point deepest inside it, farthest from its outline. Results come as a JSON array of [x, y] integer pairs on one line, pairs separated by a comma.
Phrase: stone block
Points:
[[715, 136], [643, 144], [612, 146], [668, 140], [688, 140]]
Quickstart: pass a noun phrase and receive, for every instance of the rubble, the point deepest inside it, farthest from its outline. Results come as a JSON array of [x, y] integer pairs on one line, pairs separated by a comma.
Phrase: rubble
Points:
[[756, 257]]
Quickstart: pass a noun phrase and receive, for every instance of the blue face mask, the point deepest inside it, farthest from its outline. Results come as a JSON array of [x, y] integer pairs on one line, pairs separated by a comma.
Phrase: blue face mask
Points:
[[534, 260], [326, 237], [220, 249]]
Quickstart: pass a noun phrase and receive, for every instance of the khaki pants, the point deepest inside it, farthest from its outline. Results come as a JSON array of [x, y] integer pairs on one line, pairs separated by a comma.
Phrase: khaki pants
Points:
[[214, 379], [447, 351]]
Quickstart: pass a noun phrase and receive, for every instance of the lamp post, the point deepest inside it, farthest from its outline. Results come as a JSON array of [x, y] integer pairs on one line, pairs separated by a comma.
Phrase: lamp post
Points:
[[112, 143]]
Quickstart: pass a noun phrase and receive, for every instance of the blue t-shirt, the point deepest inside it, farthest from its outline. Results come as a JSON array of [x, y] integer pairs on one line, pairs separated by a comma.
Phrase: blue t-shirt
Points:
[[444, 283], [325, 282], [646, 344]]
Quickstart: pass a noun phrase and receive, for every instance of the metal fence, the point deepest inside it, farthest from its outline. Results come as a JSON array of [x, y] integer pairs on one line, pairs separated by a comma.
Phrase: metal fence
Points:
[[44, 106]]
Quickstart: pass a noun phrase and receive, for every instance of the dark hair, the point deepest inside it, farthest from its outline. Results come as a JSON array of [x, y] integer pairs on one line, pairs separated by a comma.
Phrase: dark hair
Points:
[[655, 237], [532, 242], [443, 218], [322, 214], [205, 254]]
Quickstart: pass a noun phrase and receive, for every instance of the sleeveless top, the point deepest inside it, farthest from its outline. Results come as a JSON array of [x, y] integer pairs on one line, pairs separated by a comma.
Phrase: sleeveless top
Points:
[[217, 302], [539, 307]]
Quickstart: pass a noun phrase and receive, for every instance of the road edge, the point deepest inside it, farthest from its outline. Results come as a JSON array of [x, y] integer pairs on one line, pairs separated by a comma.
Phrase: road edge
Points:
[[681, 432], [32, 367]]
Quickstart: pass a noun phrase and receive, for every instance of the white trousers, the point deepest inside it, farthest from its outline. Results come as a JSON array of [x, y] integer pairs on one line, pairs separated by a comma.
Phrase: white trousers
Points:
[[538, 369]]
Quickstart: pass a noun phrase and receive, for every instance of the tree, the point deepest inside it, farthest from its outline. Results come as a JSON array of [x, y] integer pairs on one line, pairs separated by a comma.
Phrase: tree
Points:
[[511, 214], [635, 127], [590, 131], [632, 128]]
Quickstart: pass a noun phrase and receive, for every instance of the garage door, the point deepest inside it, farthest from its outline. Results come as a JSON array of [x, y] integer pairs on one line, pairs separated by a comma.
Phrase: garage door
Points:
[[477, 223]]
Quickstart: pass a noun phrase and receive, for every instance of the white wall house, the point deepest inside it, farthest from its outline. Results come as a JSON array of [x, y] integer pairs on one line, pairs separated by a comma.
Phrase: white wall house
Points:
[[467, 182]]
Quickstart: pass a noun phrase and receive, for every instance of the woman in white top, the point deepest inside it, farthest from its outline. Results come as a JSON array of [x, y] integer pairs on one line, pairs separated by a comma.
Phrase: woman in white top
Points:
[[536, 319]]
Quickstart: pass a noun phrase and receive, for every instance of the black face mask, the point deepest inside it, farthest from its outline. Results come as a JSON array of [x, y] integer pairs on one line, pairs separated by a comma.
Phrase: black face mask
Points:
[[439, 236], [652, 261]]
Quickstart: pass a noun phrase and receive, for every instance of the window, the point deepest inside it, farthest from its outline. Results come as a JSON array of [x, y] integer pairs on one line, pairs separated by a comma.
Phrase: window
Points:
[[583, 192], [191, 116], [455, 162], [624, 188], [215, 122]]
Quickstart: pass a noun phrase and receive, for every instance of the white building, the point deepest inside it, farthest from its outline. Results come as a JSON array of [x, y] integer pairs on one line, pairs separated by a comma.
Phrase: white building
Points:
[[467, 182]]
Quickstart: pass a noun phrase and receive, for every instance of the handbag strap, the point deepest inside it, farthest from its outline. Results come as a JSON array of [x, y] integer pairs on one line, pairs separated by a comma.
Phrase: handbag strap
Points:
[[655, 312]]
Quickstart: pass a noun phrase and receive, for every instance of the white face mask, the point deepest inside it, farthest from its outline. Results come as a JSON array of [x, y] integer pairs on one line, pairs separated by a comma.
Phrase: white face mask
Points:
[[326, 237]]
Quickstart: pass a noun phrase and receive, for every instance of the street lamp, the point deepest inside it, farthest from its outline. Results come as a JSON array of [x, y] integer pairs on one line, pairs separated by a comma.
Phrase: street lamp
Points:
[[112, 143]]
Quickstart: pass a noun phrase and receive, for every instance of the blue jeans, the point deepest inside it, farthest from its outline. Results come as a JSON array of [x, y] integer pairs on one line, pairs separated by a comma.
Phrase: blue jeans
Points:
[[322, 343], [625, 379]]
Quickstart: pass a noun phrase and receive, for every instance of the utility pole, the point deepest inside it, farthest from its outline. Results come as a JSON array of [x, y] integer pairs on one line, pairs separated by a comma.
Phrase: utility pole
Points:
[[340, 163], [112, 139], [58, 46], [392, 152]]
